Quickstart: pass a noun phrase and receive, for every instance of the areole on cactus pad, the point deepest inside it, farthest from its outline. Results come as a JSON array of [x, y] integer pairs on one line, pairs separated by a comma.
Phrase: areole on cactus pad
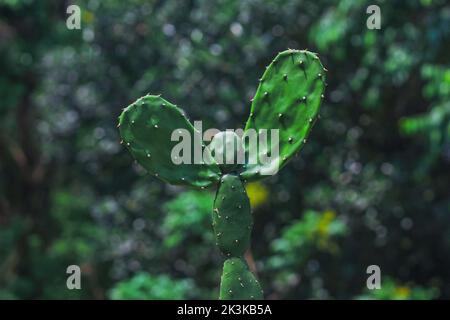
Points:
[[288, 98]]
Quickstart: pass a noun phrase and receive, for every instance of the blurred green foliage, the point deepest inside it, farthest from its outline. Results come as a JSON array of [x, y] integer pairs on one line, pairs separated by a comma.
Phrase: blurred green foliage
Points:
[[145, 286], [370, 187], [313, 231], [392, 291], [187, 218]]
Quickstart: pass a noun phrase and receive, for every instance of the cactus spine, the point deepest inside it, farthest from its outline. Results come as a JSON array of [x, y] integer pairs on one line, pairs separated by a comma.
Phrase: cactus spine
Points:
[[288, 99]]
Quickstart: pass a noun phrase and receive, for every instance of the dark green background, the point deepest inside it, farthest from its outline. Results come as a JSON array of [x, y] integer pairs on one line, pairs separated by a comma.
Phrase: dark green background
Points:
[[370, 187]]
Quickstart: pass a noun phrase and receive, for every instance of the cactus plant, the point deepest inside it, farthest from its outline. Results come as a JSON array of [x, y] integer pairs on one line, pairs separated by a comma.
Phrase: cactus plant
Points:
[[288, 99]]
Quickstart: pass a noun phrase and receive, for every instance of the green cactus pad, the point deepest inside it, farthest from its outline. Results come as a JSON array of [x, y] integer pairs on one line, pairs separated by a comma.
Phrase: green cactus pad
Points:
[[238, 283], [146, 127], [288, 98], [232, 219]]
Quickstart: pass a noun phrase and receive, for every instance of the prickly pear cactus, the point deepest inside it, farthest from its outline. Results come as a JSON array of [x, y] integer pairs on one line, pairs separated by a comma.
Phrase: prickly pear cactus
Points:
[[238, 283], [146, 127], [288, 99]]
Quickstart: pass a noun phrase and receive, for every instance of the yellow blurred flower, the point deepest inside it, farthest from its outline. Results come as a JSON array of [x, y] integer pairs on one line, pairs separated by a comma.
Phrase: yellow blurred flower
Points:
[[257, 193], [402, 292], [325, 221], [87, 16]]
